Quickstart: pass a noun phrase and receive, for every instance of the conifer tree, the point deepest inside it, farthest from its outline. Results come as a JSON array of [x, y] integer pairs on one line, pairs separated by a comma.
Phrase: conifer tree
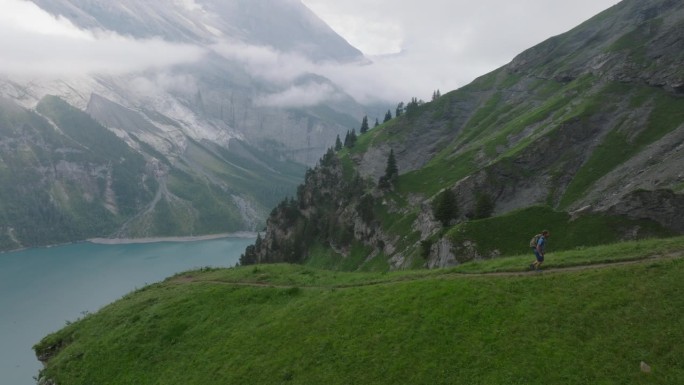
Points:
[[484, 206], [436, 95], [391, 172], [352, 138], [364, 125], [388, 116], [338, 143], [412, 105], [400, 109], [445, 208], [377, 123]]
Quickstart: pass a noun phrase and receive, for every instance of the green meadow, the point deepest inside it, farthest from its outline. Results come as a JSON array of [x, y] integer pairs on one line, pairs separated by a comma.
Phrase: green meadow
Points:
[[591, 317]]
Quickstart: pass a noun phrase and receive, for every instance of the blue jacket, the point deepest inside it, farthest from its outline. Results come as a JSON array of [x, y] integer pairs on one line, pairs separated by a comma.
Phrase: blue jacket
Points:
[[541, 244]]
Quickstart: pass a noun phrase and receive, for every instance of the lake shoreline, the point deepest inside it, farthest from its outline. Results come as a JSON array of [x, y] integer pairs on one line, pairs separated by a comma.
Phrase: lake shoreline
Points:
[[131, 241], [190, 238]]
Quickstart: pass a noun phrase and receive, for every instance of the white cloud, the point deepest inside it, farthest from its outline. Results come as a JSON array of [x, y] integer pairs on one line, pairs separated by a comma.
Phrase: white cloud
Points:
[[190, 5], [310, 94], [265, 62], [35, 43], [161, 83]]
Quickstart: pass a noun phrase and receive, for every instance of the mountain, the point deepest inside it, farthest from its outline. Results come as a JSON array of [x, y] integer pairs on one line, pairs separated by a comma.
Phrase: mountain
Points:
[[204, 147], [581, 134]]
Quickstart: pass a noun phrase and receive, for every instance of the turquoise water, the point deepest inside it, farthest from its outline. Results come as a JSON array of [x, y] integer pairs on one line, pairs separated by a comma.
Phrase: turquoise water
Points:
[[42, 289]]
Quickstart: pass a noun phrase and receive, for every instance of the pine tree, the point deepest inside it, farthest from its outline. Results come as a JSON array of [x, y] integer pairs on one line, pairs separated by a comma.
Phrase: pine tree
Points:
[[364, 125], [388, 116], [484, 207], [377, 123], [249, 257], [436, 95], [352, 138], [445, 208], [391, 172], [400, 109], [412, 105], [338, 143]]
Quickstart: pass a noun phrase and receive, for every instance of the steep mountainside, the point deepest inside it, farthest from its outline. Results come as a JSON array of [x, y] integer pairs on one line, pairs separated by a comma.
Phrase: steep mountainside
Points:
[[582, 134], [66, 177], [213, 152]]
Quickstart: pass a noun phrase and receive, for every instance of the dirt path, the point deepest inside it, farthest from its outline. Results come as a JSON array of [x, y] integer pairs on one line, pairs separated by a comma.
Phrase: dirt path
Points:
[[454, 275], [570, 269]]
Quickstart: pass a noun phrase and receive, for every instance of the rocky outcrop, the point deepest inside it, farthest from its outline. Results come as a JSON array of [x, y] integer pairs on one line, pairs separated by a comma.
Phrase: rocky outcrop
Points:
[[442, 255], [662, 206]]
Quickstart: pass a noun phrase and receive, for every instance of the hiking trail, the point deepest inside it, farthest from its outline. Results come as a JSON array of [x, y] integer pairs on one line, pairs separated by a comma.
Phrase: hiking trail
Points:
[[189, 278]]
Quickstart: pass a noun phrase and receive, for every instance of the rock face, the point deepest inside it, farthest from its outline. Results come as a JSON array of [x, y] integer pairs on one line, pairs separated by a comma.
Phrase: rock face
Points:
[[663, 206], [215, 145], [590, 122], [219, 97]]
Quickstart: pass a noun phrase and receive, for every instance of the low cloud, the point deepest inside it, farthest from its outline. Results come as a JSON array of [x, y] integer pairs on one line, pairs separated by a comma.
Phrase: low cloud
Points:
[[35, 43], [265, 62], [300, 96], [384, 78], [413, 48], [150, 86]]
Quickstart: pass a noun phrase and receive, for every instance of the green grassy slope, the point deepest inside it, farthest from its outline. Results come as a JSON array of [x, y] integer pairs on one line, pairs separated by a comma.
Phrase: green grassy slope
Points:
[[284, 324], [497, 144]]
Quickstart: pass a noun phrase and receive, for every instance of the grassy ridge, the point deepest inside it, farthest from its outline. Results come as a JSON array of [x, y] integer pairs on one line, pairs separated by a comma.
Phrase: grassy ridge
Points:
[[308, 326]]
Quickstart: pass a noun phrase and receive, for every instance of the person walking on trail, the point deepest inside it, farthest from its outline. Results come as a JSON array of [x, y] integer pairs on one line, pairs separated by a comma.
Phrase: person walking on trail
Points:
[[538, 245]]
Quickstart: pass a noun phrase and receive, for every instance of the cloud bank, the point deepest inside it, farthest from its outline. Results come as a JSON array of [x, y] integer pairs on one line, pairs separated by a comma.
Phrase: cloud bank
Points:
[[35, 43], [413, 48], [418, 47]]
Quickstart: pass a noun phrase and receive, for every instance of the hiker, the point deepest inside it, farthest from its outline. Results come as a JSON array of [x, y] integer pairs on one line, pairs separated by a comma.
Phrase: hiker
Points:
[[538, 245]]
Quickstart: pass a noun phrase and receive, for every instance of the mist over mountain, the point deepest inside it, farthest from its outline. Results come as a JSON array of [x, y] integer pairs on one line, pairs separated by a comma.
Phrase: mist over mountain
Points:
[[220, 136]]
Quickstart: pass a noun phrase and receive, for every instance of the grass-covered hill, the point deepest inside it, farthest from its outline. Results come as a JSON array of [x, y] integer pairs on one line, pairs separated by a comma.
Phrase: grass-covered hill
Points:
[[592, 317], [581, 135]]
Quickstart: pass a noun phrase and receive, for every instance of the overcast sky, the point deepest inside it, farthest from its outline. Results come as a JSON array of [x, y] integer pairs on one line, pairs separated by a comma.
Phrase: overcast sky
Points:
[[445, 44], [415, 47]]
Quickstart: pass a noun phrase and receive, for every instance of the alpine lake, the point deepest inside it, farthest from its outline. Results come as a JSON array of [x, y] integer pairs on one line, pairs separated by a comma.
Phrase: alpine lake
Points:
[[42, 289]]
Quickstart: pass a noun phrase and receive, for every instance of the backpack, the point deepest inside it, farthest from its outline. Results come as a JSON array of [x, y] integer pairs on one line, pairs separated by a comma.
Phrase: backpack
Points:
[[534, 240]]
